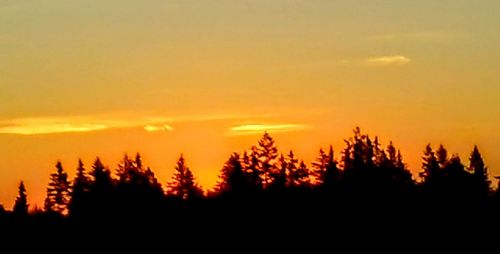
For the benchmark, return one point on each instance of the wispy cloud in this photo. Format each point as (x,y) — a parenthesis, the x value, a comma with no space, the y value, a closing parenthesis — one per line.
(251,129)
(388,60)
(50,125)
(158,128)
(75,124)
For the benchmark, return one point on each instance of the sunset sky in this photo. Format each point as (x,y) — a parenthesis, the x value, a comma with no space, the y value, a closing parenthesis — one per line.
(81,78)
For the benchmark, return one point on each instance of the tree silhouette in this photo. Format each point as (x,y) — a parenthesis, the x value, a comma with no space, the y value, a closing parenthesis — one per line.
(360,174)
(480,172)
(101,181)
(58,192)
(298,173)
(232,180)
(267,154)
(442,156)
(21,204)
(457,181)
(81,187)
(101,188)
(259,183)
(325,169)
(280,176)
(431,173)
(250,163)
(183,185)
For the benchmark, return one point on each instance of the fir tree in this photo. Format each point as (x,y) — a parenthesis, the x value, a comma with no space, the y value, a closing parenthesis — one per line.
(480,172)
(21,204)
(267,155)
(183,184)
(58,192)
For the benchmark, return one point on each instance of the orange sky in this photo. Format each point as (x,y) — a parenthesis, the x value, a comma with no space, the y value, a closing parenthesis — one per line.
(205,78)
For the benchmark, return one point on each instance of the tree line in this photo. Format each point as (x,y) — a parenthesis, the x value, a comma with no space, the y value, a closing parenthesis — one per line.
(262,176)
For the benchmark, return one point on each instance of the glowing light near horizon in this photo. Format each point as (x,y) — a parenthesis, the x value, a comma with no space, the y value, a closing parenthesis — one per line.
(158,128)
(54,125)
(250,129)
(51,128)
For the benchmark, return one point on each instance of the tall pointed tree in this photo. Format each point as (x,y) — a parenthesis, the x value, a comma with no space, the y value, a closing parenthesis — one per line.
(126,171)
(392,154)
(251,169)
(101,181)
(379,153)
(79,193)
(268,155)
(298,173)
(430,166)
(480,172)
(58,192)
(21,204)
(281,176)
(183,184)
(457,181)
(331,176)
(319,166)
(232,180)
(300,177)
(442,156)
(325,168)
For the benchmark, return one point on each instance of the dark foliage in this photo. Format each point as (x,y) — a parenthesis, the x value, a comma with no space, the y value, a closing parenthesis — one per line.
(260,188)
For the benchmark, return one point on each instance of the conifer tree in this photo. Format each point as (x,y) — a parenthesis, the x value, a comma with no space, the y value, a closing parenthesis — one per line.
(480,172)
(21,204)
(58,192)
(183,184)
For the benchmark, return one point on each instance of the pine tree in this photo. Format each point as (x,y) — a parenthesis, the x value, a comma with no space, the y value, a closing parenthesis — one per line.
(58,192)
(267,155)
(399,161)
(251,169)
(456,180)
(79,193)
(480,172)
(183,184)
(21,205)
(381,159)
(127,170)
(280,178)
(298,173)
(301,176)
(442,156)
(319,166)
(430,165)
(392,154)
(101,190)
(101,182)
(232,180)
(331,177)
(81,180)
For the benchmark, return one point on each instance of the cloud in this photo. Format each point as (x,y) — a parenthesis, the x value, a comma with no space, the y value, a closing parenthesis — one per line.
(388,60)
(75,124)
(51,125)
(158,128)
(251,129)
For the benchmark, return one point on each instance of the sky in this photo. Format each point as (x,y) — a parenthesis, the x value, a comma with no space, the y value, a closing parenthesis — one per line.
(86,78)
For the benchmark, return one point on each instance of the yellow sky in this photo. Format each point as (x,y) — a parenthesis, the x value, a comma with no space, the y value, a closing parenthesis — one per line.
(205,78)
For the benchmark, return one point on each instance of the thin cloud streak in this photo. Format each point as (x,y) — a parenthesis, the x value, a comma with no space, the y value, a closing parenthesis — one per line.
(79,124)
(388,60)
(158,128)
(52,125)
(252,129)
